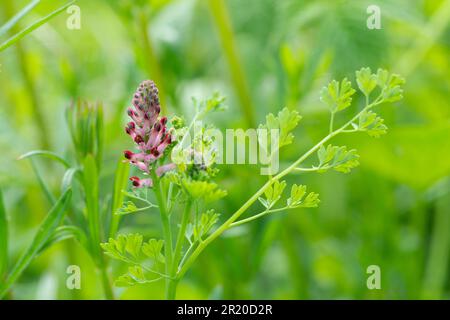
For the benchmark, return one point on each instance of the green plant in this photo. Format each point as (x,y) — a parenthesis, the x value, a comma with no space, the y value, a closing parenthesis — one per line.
(13,21)
(177,182)
(87,223)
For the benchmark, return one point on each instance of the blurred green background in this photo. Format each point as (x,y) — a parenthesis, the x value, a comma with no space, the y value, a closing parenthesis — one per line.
(393,211)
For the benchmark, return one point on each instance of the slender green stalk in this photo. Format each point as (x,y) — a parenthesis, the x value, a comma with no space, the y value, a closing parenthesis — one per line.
(178,248)
(222,21)
(3,239)
(120,182)
(259,215)
(168,250)
(227,224)
(438,260)
(106,282)
(332,121)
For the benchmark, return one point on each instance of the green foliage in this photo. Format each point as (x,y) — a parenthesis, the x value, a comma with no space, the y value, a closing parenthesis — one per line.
(131,248)
(47,154)
(286,121)
(372,124)
(272,194)
(3,238)
(142,257)
(31,27)
(153,248)
(337,158)
(212,104)
(297,198)
(390,85)
(85,122)
(366,80)
(197,230)
(203,190)
(45,231)
(337,96)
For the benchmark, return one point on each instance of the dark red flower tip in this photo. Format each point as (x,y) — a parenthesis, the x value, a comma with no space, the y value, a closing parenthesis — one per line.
(158,126)
(136,181)
(138,139)
(154,151)
(163,120)
(128,154)
(131,125)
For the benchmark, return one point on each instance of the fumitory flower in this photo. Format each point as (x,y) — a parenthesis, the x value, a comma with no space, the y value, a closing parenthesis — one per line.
(148,131)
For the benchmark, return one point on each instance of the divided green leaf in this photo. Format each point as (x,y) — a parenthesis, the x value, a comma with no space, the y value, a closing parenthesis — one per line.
(285,122)
(337,158)
(372,124)
(366,80)
(337,96)
(297,198)
(272,194)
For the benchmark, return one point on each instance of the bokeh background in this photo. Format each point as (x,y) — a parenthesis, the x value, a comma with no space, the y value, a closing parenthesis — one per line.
(393,211)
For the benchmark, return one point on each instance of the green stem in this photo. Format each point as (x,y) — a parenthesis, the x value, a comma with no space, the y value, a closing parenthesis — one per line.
(438,258)
(223,23)
(227,224)
(107,288)
(178,248)
(166,227)
(259,215)
(331,122)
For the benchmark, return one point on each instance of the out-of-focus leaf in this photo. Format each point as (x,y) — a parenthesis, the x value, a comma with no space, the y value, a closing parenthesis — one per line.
(13,21)
(90,183)
(33,27)
(68,178)
(47,154)
(421,150)
(3,238)
(120,183)
(63,233)
(51,222)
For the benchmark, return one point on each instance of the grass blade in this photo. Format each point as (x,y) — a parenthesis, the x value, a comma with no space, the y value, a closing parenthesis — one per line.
(33,27)
(51,199)
(45,231)
(120,183)
(63,233)
(3,238)
(12,22)
(90,184)
(44,153)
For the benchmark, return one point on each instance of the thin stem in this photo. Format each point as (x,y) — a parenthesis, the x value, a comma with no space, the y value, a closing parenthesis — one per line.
(331,122)
(259,215)
(166,225)
(187,253)
(107,288)
(311,169)
(178,248)
(222,21)
(226,225)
